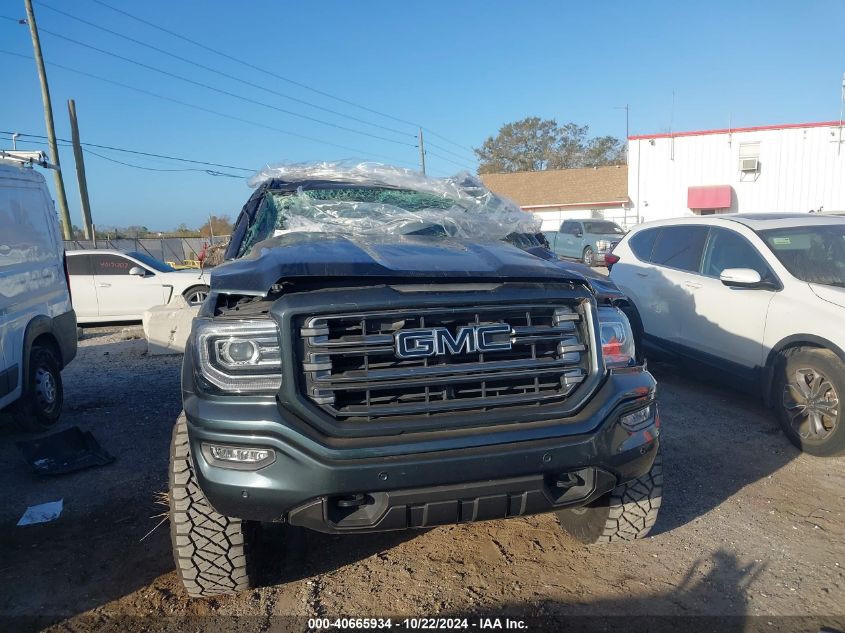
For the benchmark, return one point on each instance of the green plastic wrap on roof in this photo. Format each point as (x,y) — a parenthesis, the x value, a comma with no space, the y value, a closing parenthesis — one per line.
(379,199)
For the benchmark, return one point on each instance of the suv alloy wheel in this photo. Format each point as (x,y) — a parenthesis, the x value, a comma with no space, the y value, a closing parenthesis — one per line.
(810,385)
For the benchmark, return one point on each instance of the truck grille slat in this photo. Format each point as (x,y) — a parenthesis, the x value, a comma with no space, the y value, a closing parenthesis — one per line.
(351,370)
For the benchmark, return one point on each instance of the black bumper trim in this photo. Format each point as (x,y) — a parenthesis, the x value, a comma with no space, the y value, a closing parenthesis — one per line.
(445,505)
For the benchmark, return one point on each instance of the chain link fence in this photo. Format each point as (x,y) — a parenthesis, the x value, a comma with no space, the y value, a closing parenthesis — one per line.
(166,249)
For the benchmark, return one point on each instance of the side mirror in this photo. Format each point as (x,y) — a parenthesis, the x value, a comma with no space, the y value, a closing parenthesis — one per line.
(741,278)
(137,271)
(579,233)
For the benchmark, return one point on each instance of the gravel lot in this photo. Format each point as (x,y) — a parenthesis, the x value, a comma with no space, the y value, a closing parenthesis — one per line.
(749,527)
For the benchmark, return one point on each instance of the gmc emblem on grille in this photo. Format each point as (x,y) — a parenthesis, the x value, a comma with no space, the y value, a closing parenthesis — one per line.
(439,341)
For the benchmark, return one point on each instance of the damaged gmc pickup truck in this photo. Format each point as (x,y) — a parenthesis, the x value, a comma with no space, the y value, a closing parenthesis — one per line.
(375,357)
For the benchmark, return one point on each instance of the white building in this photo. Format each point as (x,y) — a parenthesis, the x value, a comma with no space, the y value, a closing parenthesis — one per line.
(777,168)
(556,195)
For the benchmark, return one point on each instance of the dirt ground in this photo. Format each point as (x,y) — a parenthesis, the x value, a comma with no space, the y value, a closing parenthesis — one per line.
(749,527)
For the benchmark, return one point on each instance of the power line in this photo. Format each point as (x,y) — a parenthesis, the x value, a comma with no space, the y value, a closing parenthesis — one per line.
(210,172)
(62,143)
(275,75)
(448,151)
(221,91)
(67,143)
(441,157)
(220,72)
(440,136)
(204,109)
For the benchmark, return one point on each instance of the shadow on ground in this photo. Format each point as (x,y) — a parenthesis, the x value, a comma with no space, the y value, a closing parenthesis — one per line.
(715,441)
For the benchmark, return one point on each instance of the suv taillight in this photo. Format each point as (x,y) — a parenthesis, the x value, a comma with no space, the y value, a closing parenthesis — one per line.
(610,259)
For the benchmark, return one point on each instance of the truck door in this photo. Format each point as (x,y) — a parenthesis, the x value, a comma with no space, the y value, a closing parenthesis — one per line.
(120,294)
(568,239)
(83,294)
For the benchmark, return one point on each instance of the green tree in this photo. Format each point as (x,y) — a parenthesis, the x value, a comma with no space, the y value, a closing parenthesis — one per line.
(220,225)
(535,144)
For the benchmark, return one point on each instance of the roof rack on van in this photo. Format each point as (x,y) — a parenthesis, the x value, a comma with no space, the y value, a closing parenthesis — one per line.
(27,159)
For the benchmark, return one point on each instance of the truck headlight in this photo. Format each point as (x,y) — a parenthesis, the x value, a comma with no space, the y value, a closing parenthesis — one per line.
(617,338)
(239,356)
(603,245)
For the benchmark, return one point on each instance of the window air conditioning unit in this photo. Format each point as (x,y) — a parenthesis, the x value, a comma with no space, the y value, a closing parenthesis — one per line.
(749,164)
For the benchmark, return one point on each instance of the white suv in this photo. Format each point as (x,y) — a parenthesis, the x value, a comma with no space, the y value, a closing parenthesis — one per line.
(761,298)
(109,285)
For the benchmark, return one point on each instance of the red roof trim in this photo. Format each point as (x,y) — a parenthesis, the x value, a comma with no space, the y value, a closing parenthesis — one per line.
(783,126)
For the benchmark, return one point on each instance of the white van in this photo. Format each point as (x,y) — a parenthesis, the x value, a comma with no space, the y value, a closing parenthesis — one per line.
(37,322)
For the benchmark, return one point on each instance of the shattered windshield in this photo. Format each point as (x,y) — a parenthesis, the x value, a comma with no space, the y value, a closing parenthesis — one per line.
(372,199)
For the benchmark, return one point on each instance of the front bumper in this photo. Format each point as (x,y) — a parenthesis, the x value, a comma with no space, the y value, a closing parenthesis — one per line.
(422,479)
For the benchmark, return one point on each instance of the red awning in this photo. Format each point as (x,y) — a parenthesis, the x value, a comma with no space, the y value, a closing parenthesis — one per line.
(712,197)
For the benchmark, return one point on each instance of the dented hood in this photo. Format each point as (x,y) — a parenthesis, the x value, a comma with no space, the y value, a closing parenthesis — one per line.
(316,255)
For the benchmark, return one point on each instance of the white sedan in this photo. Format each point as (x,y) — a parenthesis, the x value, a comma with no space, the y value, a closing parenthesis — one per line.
(760,298)
(111,285)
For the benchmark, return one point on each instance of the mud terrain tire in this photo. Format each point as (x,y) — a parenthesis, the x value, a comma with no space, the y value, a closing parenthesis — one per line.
(626,513)
(212,551)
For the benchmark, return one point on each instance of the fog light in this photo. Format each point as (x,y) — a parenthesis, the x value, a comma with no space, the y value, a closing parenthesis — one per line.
(637,420)
(242,457)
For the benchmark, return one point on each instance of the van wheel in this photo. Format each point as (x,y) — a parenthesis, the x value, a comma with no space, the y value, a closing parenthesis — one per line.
(809,387)
(195,295)
(626,513)
(213,553)
(41,403)
(588,256)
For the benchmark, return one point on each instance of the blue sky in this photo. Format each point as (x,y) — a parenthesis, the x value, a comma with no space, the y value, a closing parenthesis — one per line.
(461,69)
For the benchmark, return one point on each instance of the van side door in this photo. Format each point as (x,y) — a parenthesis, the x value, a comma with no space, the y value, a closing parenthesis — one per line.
(31,278)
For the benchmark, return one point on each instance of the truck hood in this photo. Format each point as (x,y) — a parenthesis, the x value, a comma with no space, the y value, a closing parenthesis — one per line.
(831,294)
(317,255)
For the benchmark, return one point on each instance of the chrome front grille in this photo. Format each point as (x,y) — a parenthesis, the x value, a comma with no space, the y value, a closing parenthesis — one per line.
(351,370)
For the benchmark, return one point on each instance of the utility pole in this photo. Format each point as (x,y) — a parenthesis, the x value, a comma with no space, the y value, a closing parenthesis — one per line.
(841,111)
(210,230)
(61,198)
(422,153)
(80,169)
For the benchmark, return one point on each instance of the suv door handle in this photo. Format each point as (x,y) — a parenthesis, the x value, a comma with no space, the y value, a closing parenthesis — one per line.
(103,284)
(641,274)
(692,284)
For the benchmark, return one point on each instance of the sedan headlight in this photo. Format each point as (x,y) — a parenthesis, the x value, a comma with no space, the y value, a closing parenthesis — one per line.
(603,245)
(239,356)
(617,338)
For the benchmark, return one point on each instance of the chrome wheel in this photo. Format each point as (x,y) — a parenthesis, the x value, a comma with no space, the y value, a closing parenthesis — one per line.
(811,404)
(588,256)
(196,297)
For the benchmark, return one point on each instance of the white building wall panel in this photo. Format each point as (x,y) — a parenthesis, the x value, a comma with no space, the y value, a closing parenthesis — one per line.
(801,169)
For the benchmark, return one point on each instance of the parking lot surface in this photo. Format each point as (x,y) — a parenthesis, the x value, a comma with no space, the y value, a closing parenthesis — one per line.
(748,527)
